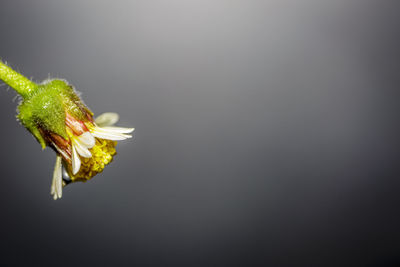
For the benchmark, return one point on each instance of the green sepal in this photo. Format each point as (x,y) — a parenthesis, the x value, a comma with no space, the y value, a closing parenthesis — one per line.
(44,110)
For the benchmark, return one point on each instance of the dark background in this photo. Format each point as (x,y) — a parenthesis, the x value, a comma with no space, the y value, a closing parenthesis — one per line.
(267,133)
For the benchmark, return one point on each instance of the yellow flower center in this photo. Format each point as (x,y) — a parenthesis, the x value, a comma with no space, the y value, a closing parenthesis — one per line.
(102,154)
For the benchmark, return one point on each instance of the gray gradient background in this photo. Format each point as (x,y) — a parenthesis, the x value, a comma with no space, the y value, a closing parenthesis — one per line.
(267,132)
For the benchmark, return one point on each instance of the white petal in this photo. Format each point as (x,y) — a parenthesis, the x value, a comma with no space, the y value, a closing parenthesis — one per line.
(76,161)
(107,119)
(87,139)
(56,184)
(53,187)
(112,137)
(118,129)
(109,135)
(81,149)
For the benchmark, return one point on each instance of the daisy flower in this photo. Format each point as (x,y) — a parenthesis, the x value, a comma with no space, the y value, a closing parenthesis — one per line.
(56,116)
(90,147)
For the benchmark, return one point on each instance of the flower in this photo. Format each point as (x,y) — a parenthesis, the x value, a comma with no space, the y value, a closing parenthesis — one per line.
(91,146)
(58,118)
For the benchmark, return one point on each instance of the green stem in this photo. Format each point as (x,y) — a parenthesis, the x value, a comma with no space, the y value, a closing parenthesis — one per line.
(17,81)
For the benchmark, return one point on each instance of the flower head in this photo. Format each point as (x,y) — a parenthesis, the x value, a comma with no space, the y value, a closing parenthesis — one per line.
(58,118)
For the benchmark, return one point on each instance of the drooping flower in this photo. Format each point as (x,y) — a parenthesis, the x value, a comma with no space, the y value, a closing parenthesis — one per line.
(90,148)
(56,116)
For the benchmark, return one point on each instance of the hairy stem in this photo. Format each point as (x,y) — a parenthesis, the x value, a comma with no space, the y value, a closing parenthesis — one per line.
(17,81)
